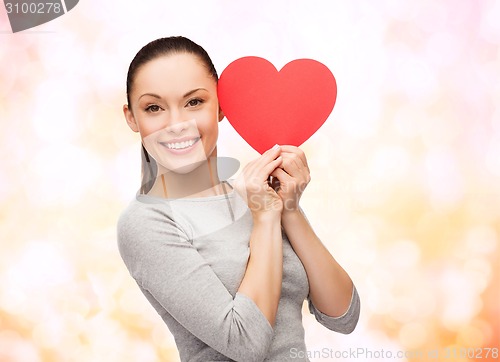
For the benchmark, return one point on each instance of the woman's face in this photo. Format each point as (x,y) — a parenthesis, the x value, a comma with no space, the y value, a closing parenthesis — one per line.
(175,109)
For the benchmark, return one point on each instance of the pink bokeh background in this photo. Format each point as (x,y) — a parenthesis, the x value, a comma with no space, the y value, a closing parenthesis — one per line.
(405,188)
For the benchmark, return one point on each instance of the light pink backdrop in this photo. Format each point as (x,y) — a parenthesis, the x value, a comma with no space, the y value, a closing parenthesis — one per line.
(405,187)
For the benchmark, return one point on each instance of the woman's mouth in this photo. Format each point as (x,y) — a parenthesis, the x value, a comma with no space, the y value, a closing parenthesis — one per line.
(180,147)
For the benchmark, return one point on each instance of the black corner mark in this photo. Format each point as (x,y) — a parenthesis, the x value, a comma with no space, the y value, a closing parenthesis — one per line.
(26,14)
(70,4)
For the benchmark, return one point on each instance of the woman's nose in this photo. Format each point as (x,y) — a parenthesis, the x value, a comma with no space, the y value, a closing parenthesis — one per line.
(177,124)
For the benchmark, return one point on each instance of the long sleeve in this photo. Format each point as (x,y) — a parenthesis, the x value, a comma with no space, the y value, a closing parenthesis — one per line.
(163,261)
(343,324)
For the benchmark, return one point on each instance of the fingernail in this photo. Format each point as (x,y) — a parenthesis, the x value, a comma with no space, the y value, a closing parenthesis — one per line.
(276,146)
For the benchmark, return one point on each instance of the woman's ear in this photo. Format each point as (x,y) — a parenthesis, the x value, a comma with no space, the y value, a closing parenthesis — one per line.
(221,114)
(129,117)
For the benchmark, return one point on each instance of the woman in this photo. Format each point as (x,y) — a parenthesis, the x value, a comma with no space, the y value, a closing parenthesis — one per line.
(227,264)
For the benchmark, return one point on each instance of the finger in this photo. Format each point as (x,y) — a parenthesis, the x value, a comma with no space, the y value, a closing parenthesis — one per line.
(269,168)
(289,165)
(292,165)
(282,176)
(297,151)
(271,154)
(267,157)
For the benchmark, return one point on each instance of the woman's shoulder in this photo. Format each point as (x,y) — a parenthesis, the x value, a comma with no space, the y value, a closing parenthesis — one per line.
(145,213)
(142,225)
(137,209)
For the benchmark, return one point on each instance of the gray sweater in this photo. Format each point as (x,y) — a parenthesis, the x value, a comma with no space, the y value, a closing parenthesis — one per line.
(188,257)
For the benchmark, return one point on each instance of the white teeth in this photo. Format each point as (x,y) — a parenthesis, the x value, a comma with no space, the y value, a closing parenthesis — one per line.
(181,145)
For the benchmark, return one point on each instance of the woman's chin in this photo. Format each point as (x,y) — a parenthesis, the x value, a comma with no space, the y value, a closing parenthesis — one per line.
(181,163)
(183,168)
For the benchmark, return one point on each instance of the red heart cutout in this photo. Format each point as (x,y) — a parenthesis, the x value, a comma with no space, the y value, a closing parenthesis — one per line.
(267,107)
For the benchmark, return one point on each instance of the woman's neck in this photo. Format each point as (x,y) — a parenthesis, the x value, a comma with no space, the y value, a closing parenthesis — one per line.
(203,181)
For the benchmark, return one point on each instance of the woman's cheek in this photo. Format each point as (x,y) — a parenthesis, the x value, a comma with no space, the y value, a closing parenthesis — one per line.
(205,123)
(150,127)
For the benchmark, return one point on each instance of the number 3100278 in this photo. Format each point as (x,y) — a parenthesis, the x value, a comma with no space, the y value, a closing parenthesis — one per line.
(32,8)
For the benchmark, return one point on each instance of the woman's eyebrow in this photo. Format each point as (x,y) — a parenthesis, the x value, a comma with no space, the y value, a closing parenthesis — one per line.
(184,96)
(193,91)
(150,94)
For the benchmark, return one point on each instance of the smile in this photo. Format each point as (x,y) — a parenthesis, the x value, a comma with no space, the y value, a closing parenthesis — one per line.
(180,145)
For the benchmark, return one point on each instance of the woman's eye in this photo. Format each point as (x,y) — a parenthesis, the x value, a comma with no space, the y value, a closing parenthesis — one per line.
(153,108)
(195,102)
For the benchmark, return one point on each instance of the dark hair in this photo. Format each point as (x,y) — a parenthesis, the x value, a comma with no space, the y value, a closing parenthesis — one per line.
(165,46)
(157,48)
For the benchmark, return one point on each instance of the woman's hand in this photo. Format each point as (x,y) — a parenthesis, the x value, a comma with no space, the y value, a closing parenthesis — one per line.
(291,177)
(252,184)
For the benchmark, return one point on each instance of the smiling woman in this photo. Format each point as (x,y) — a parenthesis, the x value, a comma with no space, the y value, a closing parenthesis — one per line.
(227,265)
(175,115)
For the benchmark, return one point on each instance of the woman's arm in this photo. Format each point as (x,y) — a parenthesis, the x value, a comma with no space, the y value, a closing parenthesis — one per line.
(263,276)
(262,280)
(331,289)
